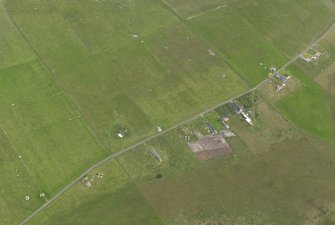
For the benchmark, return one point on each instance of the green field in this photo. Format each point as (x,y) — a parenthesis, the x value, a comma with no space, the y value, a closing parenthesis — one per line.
(322,70)
(73,72)
(240,45)
(327,79)
(314,110)
(13,187)
(110,198)
(327,47)
(13,50)
(189,9)
(140,85)
(44,128)
(285,182)
(254,191)
(288,25)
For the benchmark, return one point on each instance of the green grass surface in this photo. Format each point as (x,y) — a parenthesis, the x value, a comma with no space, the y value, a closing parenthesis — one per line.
(83,68)
(12,50)
(94,25)
(16,184)
(171,148)
(112,198)
(289,25)
(289,183)
(239,43)
(310,107)
(193,8)
(213,118)
(322,70)
(269,128)
(271,187)
(274,188)
(327,47)
(140,85)
(35,115)
(327,79)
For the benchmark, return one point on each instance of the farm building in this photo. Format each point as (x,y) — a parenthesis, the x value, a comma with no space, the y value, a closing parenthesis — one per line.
(155,154)
(246,118)
(282,78)
(211,128)
(237,108)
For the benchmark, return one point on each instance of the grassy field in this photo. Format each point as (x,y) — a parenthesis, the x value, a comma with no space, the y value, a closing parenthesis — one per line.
(44,130)
(269,89)
(273,188)
(189,9)
(12,50)
(41,149)
(73,72)
(327,47)
(16,184)
(56,144)
(327,79)
(249,44)
(312,86)
(112,197)
(288,183)
(270,128)
(148,79)
(314,110)
(288,25)
(322,70)
(171,148)
(255,185)
(240,45)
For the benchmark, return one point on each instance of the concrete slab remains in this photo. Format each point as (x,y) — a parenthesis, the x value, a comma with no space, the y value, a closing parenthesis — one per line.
(210,147)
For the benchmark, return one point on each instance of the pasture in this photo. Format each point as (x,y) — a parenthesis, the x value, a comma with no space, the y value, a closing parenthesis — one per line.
(189,9)
(73,72)
(16,184)
(327,49)
(112,197)
(238,43)
(13,50)
(288,25)
(257,190)
(250,186)
(46,138)
(158,75)
(322,70)
(269,128)
(41,148)
(309,107)
(327,79)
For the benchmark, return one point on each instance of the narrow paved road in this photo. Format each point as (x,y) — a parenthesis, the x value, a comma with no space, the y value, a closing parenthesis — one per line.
(167,130)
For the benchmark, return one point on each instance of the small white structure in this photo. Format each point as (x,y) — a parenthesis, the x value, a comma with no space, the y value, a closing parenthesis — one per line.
(211,52)
(155,154)
(314,57)
(87,182)
(246,118)
(42,195)
(159,129)
(279,87)
(27,197)
(100,175)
